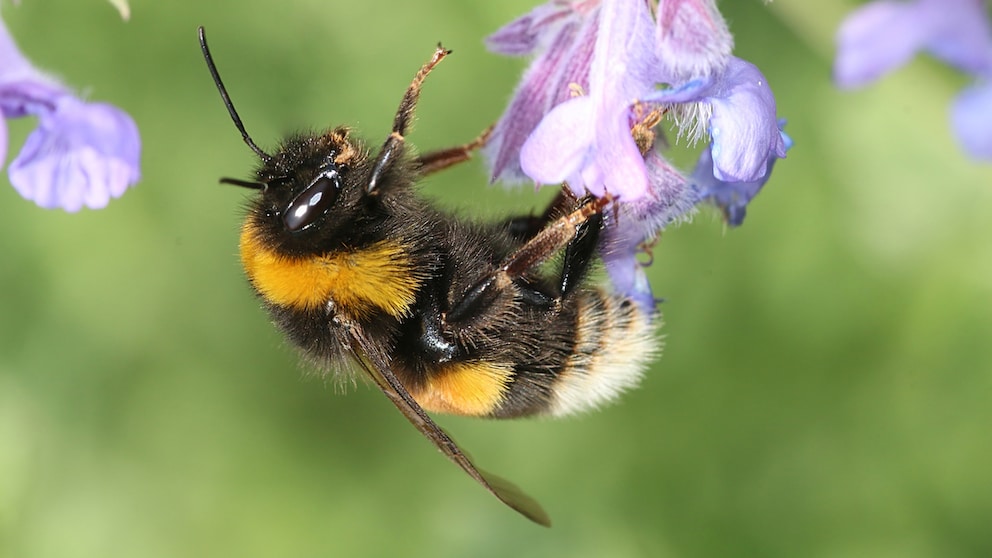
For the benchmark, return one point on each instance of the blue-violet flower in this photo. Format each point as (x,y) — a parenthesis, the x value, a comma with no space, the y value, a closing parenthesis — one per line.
(883,35)
(604,72)
(81,154)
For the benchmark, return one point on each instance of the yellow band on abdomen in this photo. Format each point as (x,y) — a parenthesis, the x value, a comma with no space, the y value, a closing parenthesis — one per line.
(466,388)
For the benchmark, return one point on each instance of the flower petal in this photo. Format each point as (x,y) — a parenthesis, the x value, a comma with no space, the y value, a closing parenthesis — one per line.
(629,278)
(14,63)
(693,39)
(961,33)
(670,199)
(744,125)
(32,95)
(23,89)
(80,154)
(732,197)
(875,39)
(561,144)
(3,141)
(620,163)
(622,68)
(881,36)
(531,32)
(971,115)
(551,79)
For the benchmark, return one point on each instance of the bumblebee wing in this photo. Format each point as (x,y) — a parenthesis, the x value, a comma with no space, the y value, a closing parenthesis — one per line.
(376,366)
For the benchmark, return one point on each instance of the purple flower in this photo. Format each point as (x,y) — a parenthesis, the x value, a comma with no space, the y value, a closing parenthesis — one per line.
(632,228)
(81,154)
(561,34)
(883,35)
(585,140)
(742,119)
(672,198)
(971,116)
(731,197)
(605,68)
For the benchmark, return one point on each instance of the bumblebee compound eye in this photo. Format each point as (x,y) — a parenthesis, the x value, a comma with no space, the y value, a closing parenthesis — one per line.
(310,204)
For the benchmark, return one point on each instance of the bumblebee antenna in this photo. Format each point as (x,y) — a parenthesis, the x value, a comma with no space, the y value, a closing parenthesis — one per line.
(245,183)
(227,98)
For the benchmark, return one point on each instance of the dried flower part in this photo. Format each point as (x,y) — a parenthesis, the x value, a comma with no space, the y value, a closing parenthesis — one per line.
(122,8)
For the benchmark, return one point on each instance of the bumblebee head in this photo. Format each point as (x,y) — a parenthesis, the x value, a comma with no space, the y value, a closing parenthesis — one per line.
(312,192)
(305,180)
(315,187)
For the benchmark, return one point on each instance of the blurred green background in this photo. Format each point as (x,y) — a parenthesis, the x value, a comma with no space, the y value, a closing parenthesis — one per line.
(827,377)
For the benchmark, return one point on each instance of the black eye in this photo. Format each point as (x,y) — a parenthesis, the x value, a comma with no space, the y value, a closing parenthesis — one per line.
(313,202)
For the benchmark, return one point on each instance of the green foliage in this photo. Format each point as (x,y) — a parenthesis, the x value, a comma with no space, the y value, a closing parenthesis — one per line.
(824,389)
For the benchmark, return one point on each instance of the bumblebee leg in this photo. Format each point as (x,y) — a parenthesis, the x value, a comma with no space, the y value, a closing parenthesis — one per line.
(560,233)
(393,147)
(550,239)
(441,159)
(579,253)
(525,227)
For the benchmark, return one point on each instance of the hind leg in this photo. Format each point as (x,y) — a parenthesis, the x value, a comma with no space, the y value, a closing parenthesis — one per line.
(576,233)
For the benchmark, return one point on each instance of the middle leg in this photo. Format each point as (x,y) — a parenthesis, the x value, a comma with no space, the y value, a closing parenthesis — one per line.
(434,161)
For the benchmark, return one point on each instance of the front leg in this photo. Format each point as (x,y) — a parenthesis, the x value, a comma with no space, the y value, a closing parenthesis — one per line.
(525,227)
(392,149)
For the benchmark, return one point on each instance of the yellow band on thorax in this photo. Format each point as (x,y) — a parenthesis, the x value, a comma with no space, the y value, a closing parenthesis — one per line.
(359,281)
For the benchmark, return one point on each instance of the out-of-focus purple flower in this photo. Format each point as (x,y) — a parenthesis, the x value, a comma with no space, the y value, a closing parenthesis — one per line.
(971,116)
(883,35)
(81,154)
(572,117)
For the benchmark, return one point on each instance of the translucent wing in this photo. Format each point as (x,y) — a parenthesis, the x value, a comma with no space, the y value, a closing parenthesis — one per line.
(376,365)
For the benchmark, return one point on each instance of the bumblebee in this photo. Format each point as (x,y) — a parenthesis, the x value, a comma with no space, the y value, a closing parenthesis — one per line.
(443,314)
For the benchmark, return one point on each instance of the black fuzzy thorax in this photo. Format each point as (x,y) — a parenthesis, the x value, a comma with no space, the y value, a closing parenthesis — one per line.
(450,253)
